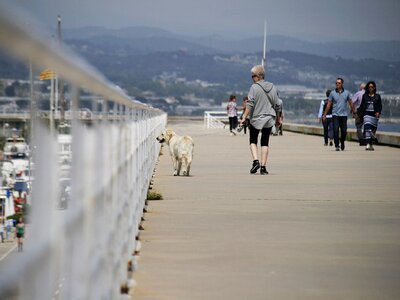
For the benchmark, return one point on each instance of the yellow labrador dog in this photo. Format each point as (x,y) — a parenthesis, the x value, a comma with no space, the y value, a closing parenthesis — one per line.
(181,150)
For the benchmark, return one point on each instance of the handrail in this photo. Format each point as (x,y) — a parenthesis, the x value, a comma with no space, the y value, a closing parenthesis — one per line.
(213,119)
(87,246)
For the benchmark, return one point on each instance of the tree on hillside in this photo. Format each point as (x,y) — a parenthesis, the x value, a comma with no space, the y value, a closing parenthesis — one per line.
(9,91)
(1,89)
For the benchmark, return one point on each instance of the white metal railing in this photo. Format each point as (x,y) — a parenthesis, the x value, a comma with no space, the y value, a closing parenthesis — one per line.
(82,250)
(215,119)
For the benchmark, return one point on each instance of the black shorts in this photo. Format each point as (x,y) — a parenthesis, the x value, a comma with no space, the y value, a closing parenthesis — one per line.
(20,235)
(265,133)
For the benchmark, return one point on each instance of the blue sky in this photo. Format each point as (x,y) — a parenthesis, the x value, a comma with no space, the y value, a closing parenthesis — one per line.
(314,20)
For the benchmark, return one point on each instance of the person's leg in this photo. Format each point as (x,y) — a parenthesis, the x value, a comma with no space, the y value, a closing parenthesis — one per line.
(254,151)
(374,129)
(368,132)
(230,124)
(253,148)
(264,155)
(359,124)
(336,131)
(253,139)
(325,125)
(235,122)
(265,134)
(343,131)
(330,130)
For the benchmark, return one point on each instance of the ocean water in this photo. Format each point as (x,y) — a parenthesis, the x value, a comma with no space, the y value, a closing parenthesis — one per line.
(387,127)
(382,126)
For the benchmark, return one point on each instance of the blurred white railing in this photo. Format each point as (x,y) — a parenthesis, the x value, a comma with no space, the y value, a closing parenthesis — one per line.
(81,251)
(215,119)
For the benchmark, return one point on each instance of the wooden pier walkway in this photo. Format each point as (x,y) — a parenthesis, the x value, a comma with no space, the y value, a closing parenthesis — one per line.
(322,225)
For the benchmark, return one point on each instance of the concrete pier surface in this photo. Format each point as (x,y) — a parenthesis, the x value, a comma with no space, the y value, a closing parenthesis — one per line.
(322,225)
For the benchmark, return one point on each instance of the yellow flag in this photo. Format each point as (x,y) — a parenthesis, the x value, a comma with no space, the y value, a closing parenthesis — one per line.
(47,74)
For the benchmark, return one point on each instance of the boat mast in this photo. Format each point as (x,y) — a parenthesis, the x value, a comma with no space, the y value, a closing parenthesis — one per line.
(265,45)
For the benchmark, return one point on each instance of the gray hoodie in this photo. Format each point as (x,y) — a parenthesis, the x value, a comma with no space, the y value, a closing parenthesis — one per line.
(263,106)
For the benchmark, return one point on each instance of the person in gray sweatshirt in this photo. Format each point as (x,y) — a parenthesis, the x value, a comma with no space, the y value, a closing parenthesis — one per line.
(262,108)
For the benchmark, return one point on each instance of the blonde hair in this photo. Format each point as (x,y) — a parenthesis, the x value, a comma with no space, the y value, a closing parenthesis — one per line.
(258,70)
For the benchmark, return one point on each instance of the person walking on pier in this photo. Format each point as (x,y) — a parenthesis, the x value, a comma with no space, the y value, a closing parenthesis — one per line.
(246,121)
(337,100)
(370,109)
(20,233)
(280,117)
(2,231)
(262,109)
(328,123)
(231,110)
(357,97)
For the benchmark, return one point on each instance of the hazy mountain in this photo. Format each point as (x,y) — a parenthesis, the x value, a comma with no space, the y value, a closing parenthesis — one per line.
(141,59)
(147,39)
(381,50)
(128,32)
(232,71)
(131,40)
(141,45)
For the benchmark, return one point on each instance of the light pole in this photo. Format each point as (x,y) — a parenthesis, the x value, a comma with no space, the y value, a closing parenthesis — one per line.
(62,96)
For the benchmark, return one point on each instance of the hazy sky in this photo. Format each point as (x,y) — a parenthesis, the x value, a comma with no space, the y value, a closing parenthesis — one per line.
(308,19)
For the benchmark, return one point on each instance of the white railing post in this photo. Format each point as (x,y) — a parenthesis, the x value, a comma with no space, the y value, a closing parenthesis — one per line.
(214,119)
(82,250)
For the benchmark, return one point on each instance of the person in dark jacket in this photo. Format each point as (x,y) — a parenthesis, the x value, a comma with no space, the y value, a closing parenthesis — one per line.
(370,110)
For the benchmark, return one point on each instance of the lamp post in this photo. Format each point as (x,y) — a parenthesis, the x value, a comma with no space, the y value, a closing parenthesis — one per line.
(62,96)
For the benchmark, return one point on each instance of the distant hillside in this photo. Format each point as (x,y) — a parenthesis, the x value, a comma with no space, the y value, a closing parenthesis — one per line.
(232,71)
(111,44)
(128,32)
(147,39)
(10,68)
(147,59)
(380,50)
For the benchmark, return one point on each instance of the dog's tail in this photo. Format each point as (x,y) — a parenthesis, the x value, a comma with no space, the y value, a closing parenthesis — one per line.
(186,156)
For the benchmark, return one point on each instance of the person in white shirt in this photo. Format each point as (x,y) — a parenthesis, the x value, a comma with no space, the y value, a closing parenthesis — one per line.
(357,98)
(328,123)
(231,110)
